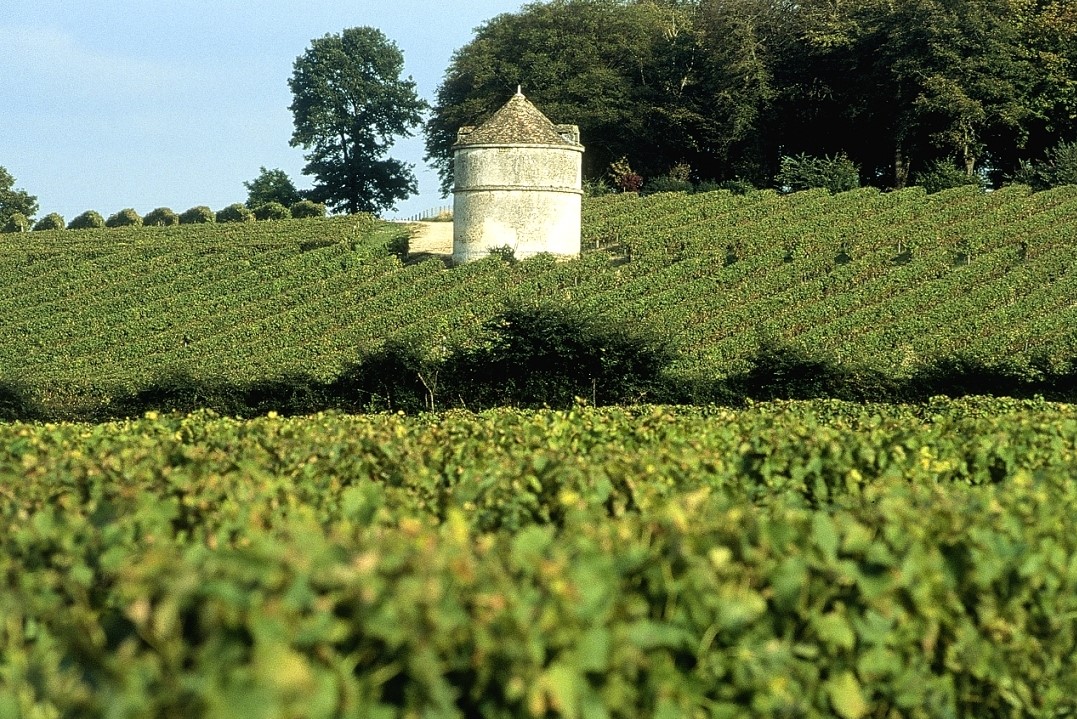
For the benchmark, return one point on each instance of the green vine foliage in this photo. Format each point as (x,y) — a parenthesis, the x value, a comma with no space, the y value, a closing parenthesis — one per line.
(788,559)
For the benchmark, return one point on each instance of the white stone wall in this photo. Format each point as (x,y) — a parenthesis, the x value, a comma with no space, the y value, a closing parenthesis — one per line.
(526,197)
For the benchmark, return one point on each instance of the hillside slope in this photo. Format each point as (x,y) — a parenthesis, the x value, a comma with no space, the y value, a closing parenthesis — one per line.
(888,282)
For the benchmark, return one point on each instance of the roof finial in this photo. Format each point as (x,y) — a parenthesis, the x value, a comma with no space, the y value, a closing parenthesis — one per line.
(519,91)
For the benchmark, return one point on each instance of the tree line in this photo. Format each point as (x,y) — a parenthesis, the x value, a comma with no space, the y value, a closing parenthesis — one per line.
(734,93)
(980,89)
(16,221)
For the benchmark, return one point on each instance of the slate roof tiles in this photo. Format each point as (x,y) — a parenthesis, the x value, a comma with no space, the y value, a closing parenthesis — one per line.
(518,122)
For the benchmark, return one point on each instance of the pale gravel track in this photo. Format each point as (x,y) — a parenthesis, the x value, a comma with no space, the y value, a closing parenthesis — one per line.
(434,238)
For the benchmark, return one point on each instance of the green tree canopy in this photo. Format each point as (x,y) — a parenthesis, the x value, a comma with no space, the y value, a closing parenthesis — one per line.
(732,86)
(349,103)
(615,68)
(14,201)
(271,186)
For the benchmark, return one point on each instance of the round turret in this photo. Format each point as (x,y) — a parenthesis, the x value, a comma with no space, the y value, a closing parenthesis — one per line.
(518,183)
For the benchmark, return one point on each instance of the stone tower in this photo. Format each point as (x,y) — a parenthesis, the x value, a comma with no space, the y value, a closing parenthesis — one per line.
(518,182)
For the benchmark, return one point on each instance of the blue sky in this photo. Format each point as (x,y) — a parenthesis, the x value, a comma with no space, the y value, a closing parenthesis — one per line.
(174,104)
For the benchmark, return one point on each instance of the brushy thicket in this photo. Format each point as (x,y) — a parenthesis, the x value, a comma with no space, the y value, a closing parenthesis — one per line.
(807,172)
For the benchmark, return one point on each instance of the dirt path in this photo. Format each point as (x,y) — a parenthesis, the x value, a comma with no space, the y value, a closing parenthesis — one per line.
(430,238)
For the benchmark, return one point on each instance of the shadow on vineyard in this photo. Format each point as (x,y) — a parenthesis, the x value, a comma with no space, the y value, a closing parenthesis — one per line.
(14,403)
(545,356)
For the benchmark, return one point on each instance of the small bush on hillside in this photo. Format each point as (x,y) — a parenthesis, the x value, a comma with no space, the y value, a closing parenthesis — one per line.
(1059,167)
(596,188)
(679,179)
(307,208)
(272,211)
(550,355)
(88,220)
(16,222)
(505,253)
(807,172)
(236,212)
(160,217)
(624,178)
(124,218)
(944,174)
(665,183)
(738,186)
(51,221)
(198,215)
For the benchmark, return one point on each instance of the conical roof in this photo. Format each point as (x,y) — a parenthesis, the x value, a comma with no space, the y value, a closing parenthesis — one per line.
(518,122)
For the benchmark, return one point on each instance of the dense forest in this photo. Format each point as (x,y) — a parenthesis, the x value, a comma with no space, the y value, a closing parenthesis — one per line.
(723,90)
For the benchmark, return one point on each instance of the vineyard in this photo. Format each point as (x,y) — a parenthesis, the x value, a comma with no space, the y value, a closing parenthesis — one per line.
(886,282)
(672,535)
(790,559)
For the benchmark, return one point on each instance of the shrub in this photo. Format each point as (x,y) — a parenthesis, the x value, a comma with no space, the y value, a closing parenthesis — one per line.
(51,221)
(942,175)
(271,211)
(16,222)
(665,183)
(161,217)
(307,208)
(596,188)
(236,212)
(505,253)
(198,215)
(624,178)
(550,355)
(738,186)
(682,171)
(88,220)
(124,218)
(806,172)
(1059,167)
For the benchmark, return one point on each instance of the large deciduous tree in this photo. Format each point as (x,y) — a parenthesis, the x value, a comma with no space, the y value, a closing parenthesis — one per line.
(349,104)
(14,201)
(620,69)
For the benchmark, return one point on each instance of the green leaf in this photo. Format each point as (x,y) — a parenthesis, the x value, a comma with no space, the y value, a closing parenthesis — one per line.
(646,634)
(530,545)
(824,534)
(834,629)
(846,697)
(789,580)
(563,688)
(594,650)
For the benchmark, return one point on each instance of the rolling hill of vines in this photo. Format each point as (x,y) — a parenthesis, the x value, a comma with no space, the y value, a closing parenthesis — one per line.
(883,281)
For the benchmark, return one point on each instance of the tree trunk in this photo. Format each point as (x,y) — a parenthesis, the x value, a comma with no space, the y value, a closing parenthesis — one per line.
(901,169)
